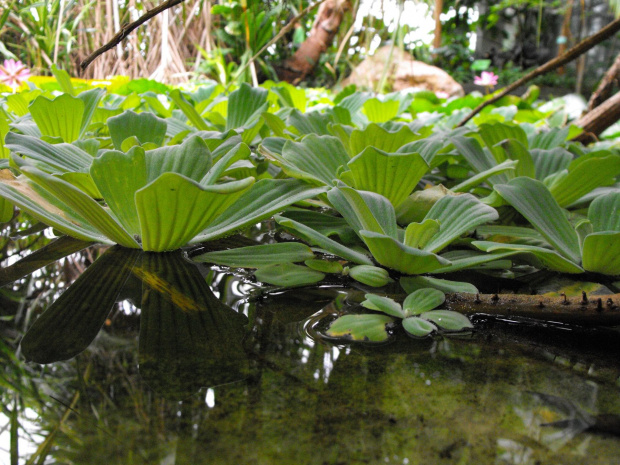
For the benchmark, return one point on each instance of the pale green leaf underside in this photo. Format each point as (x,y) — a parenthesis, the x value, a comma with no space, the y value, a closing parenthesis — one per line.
(604,212)
(173,209)
(448,320)
(418,327)
(383,304)
(413,283)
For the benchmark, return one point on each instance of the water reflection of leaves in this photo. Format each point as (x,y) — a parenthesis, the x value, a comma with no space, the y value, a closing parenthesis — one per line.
(188,338)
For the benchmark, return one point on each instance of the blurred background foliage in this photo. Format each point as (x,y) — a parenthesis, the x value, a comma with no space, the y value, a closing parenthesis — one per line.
(211,39)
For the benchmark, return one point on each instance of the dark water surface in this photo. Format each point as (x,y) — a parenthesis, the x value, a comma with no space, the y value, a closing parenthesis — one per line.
(189,369)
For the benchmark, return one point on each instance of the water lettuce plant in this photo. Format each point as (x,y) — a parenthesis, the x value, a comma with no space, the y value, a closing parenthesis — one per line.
(416,316)
(157,200)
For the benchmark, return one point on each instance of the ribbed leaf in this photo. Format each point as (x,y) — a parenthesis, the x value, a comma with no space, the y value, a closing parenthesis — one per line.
(601,253)
(413,283)
(83,181)
(188,110)
(288,275)
(6,210)
(507,166)
(534,201)
(259,255)
(316,158)
(477,158)
(239,152)
(457,215)
(42,206)
(417,235)
(365,210)
(383,304)
(379,112)
(91,99)
(83,204)
(393,175)
(245,106)
(397,256)
(315,238)
(61,157)
(549,139)
(362,328)
(264,199)
(173,209)
(375,136)
(325,224)
(61,117)
(423,300)
(417,327)
(311,122)
(548,162)
(516,151)
(191,159)
(119,176)
(495,133)
(472,260)
(604,212)
(548,258)
(71,323)
(146,127)
(448,320)
(584,177)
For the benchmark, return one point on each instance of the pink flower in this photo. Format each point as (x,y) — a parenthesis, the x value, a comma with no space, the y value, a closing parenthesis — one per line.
(13,73)
(487,79)
(442,94)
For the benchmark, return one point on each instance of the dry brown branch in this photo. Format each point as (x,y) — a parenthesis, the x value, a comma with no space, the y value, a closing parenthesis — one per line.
(605,88)
(579,49)
(127,29)
(599,119)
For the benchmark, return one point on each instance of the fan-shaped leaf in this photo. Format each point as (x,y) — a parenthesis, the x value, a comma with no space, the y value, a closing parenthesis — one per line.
(604,212)
(601,253)
(61,117)
(362,328)
(448,320)
(423,300)
(383,304)
(417,327)
(146,127)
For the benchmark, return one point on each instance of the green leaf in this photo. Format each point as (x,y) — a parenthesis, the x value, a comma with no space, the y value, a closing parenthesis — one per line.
(264,199)
(547,258)
(494,134)
(365,210)
(548,162)
(423,300)
(375,136)
(44,207)
(245,106)
(191,159)
(463,260)
(188,110)
(58,157)
(604,212)
(383,304)
(393,175)
(315,238)
(413,283)
(516,151)
(417,235)
(601,253)
(61,117)
(6,210)
(504,167)
(312,122)
(239,152)
(327,225)
(448,320)
(316,158)
(288,275)
(534,201)
(362,328)
(258,256)
(173,209)
(417,205)
(82,181)
(582,178)
(378,111)
(119,176)
(325,266)
(83,204)
(91,99)
(64,80)
(477,158)
(370,275)
(457,215)
(393,254)
(417,327)
(146,127)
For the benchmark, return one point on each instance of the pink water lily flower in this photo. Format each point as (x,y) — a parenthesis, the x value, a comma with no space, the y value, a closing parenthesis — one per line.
(487,79)
(13,73)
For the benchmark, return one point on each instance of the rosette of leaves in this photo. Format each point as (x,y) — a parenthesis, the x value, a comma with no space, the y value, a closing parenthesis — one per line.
(416,314)
(157,200)
(593,244)
(414,250)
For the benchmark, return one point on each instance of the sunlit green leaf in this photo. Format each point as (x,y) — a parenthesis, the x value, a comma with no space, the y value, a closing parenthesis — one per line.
(601,253)
(145,126)
(245,106)
(315,158)
(60,117)
(417,235)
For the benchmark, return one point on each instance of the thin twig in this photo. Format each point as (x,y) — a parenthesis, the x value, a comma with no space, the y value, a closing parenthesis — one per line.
(127,29)
(568,56)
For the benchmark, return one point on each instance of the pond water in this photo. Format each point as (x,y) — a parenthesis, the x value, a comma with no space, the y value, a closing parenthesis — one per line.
(199,366)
